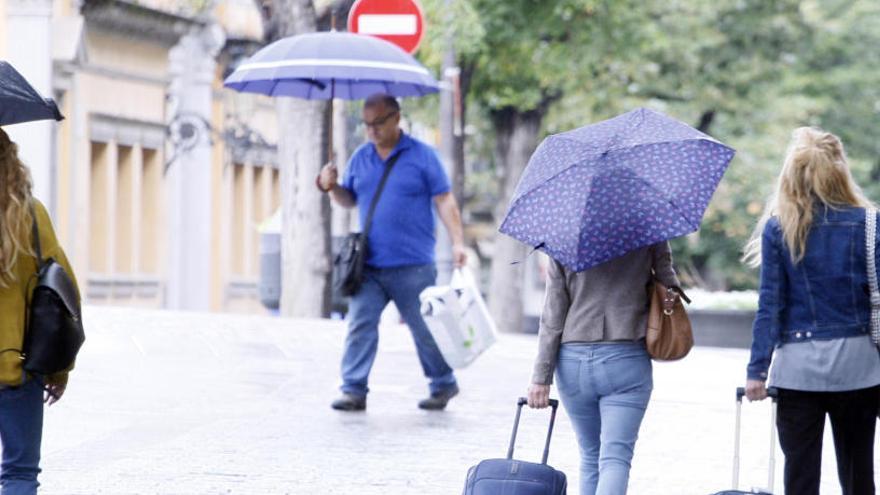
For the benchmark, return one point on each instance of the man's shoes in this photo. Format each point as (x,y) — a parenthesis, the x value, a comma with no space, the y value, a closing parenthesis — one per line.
(438,400)
(349,402)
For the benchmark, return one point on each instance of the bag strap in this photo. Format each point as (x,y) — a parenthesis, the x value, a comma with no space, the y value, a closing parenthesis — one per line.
(369,221)
(35,237)
(870,243)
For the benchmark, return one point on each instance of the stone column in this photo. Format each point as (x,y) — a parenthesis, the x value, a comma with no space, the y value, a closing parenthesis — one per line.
(192,71)
(29,50)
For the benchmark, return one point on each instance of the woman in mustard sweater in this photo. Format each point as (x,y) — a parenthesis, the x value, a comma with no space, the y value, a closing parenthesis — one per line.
(21,395)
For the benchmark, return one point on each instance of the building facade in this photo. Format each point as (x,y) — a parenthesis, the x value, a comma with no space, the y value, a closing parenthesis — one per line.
(158,178)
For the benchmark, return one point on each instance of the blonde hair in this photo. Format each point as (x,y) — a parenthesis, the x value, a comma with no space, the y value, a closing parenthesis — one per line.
(15,217)
(815,170)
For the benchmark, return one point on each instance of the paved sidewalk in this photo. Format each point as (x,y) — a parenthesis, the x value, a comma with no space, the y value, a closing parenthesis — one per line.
(187,403)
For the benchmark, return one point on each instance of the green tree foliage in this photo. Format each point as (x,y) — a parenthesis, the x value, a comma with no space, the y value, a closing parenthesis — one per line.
(808,63)
(715,65)
(840,73)
(745,71)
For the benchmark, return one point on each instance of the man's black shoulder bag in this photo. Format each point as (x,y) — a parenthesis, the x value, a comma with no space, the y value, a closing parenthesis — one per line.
(353,255)
(54,330)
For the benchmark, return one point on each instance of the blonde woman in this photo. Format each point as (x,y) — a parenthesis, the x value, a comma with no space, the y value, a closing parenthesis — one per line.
(21,395)
(813,316)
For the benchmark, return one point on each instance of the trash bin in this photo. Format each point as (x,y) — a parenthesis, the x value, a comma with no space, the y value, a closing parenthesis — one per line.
(270,261)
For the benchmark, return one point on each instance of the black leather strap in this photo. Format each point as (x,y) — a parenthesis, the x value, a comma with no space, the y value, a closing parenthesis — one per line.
(35,234)
(369,221)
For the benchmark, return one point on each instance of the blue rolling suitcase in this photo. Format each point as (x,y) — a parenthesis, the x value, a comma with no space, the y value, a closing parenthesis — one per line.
(512,477)
(740,393)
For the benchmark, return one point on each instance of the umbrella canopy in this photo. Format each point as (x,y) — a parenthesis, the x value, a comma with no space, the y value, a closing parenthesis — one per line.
(325,65)
(20,102)
(597,192)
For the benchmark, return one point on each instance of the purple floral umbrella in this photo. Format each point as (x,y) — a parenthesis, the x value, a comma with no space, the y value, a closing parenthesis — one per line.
(595,193)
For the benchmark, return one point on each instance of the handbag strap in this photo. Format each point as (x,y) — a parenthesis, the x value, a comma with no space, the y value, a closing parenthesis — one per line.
(35,237)
(369,221)
(870,244)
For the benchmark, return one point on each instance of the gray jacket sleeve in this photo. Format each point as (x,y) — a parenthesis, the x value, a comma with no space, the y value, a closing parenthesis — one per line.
(662,265)
(556,304)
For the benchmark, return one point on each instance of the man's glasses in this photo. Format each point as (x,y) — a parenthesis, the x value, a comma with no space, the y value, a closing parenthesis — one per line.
(380,121)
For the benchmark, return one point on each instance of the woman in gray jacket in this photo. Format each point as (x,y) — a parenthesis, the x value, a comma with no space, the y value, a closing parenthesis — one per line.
(592,334)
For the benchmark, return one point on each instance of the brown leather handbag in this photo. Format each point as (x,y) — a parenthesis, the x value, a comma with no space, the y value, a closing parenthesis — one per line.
(669,336)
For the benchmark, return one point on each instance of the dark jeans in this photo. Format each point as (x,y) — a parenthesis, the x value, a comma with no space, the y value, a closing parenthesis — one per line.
(403,286)
(21,431)
(801,423)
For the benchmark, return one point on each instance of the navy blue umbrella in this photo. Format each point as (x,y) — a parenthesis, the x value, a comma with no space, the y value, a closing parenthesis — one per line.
(20,102)
(325,65)
(597,192)
(332,64)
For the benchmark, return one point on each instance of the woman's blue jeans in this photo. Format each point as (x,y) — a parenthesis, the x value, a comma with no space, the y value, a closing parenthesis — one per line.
(403,286)
(605,389)
(21,431)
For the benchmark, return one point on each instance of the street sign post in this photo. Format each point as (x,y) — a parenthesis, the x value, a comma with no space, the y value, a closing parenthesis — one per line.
(398,21)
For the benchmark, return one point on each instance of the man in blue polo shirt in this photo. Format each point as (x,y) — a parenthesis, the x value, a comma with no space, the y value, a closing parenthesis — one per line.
(400,261)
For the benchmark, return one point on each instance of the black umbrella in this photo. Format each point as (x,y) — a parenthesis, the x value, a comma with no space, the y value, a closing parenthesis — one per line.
(20,102)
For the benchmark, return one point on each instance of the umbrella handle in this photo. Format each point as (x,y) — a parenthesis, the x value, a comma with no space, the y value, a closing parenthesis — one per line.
(330,124)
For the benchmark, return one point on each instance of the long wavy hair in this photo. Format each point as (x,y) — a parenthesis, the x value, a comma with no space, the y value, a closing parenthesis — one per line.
(815,171)
(15,216)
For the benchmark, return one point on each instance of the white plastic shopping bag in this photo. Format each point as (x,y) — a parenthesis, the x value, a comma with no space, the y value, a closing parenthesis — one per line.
(458,319)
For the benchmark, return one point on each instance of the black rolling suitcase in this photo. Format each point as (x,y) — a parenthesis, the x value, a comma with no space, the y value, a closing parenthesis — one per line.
(512,477)
(740,393)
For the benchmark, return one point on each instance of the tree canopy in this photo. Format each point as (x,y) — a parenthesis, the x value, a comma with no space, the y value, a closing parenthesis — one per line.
(746,72)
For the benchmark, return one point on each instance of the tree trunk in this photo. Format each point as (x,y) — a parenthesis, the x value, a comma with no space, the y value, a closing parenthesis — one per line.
(458,161)
(305,249)
(706,120)
(516,135)
(305,225)
(447,119)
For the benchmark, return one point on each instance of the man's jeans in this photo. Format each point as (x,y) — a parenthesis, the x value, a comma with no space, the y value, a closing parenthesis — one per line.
(605,389)
(21,431)
(403,286)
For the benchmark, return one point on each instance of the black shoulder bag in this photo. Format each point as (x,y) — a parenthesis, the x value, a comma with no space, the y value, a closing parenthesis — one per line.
(350,261)
(54,330)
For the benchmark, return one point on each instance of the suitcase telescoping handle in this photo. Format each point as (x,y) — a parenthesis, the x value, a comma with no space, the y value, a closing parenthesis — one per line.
(519,405)
(774,397)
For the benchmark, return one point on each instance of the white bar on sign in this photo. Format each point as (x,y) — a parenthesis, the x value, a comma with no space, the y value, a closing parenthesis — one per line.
(388,24)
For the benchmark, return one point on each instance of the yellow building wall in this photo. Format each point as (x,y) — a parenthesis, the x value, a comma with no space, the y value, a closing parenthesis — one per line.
(139,101)
(128,54)
(64,178)
(244,194)
(153,214)
(62,8)
(126,79)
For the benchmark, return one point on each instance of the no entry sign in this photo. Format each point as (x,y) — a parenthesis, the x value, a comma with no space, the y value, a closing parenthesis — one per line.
(398,21)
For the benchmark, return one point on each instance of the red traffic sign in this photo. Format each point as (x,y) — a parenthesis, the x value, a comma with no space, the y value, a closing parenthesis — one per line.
(398,21)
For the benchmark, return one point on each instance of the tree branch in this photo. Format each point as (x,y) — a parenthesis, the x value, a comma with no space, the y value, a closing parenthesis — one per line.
(325,15)
(706,121)
(657,94)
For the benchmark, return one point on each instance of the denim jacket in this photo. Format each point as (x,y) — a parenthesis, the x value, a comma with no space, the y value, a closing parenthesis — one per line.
(824,296)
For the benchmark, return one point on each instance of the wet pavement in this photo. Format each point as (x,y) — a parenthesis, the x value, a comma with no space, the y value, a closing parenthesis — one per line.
(188,403)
